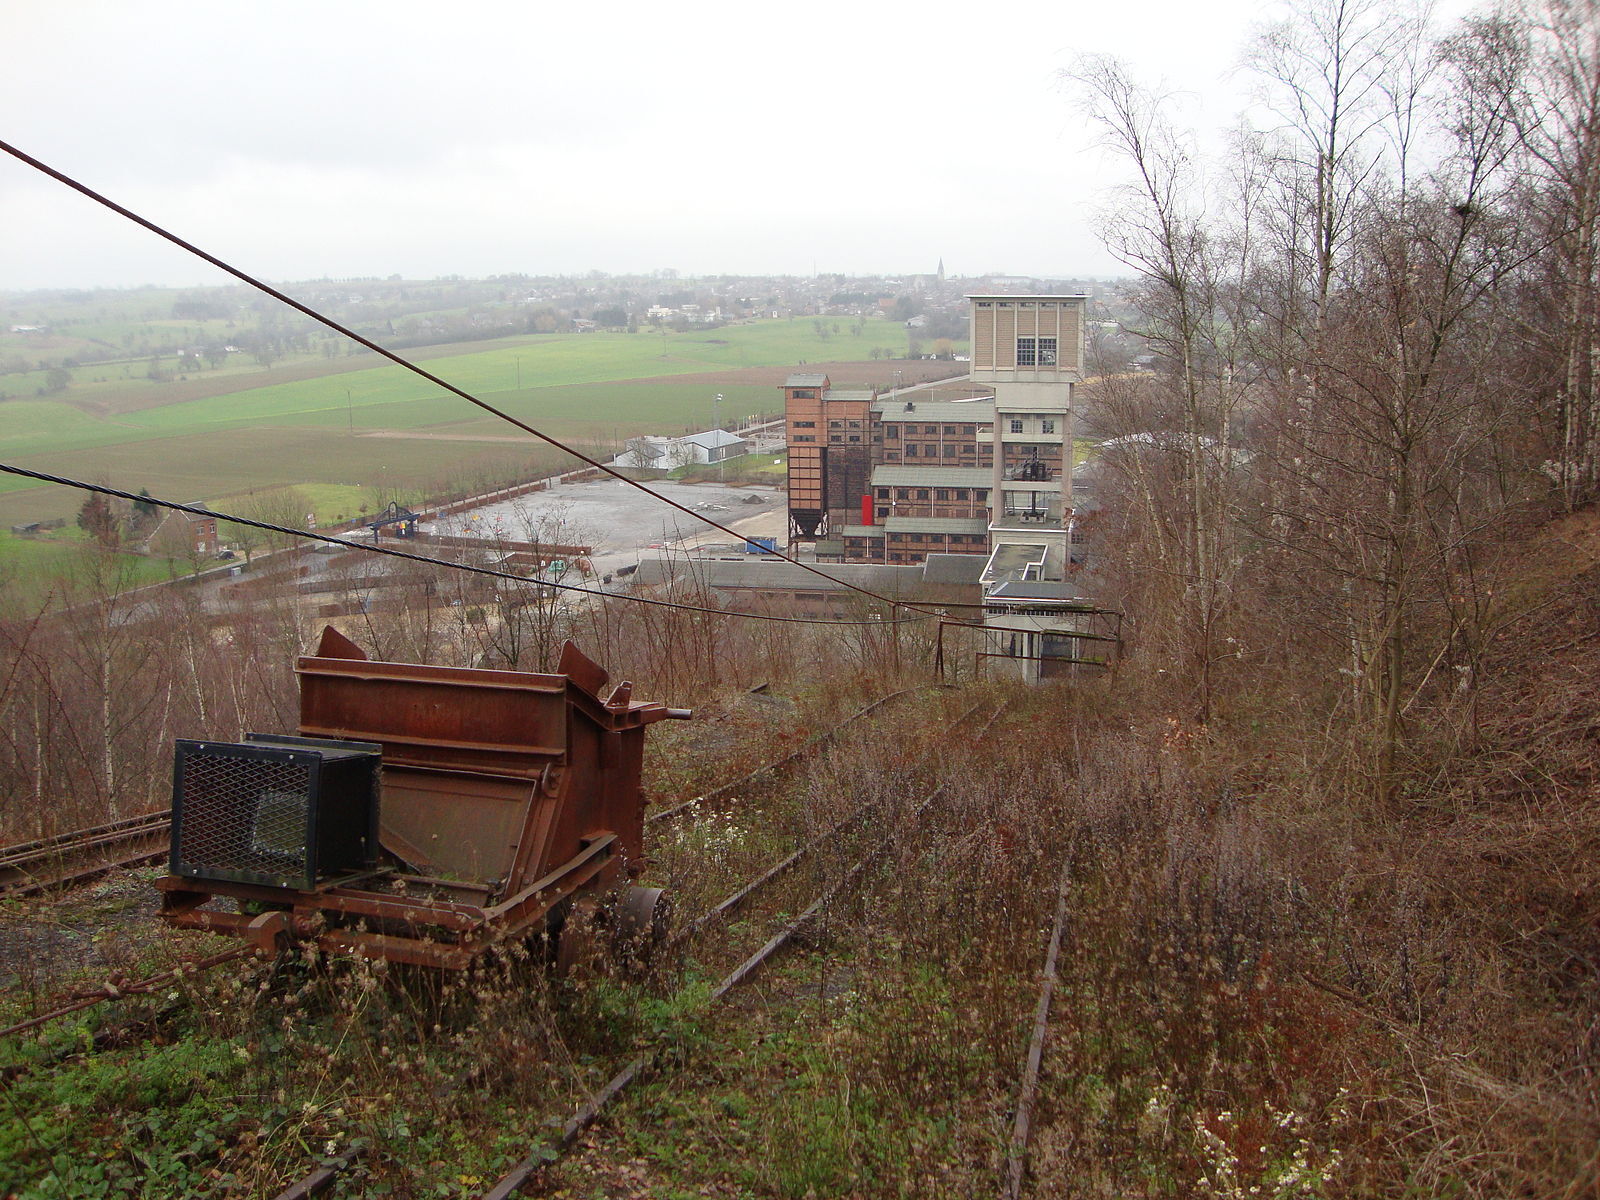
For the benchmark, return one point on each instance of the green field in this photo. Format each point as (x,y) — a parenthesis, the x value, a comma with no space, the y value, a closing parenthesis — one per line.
(30,568)
(382,429)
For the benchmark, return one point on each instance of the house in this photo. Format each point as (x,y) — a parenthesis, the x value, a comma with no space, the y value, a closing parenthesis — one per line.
(716,445)
(184,535)
(668,453)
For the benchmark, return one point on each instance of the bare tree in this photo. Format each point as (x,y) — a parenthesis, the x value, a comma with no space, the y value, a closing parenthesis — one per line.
(1183,415)
(1558,119)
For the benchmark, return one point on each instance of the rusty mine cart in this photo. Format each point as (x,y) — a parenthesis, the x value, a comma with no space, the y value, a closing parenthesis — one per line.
(506,798)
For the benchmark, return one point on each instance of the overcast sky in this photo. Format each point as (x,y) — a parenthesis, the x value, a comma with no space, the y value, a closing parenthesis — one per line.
(350,139)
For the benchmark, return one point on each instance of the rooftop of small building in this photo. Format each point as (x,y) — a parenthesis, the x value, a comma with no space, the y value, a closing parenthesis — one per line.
(1012,560)
(1058,590)
(713,438)
(774,575)
(896,476)
(980,409)
(1027,296)
(952,568)
(937,525)
(806,379)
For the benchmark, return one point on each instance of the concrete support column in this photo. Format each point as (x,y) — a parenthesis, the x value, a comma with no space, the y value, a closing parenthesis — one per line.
(1066,458)
(997,499)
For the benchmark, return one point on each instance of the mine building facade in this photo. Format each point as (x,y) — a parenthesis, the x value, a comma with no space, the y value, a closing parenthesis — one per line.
(829,436)
(890,478)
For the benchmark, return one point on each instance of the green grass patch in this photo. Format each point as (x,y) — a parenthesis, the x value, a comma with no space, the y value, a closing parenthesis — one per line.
(770,469)
(145,1123)
(32,568)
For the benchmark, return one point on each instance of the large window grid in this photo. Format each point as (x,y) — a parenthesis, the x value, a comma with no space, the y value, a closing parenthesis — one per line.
(1036,352)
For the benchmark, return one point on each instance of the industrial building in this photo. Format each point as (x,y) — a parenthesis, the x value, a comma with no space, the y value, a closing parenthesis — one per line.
(981,466)
(893,477)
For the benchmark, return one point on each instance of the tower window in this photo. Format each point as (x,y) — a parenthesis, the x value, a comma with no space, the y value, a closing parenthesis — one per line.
(1036,352)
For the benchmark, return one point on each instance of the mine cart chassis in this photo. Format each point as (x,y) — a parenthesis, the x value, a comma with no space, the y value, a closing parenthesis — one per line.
(391,915)
(507,799)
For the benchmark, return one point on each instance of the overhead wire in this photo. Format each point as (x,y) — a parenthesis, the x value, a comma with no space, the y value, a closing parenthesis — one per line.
(394,552)
(400,360)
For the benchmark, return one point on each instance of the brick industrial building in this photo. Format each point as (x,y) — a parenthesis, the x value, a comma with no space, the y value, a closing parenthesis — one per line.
(893,477)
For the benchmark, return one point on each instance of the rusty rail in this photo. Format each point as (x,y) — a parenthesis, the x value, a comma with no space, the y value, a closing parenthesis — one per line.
(1022,1125)
(514,1180)
(56,862)
(737,899)
(819,740)
(321,1178)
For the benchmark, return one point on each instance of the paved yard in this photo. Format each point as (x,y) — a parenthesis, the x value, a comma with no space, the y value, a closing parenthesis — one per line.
(622,523)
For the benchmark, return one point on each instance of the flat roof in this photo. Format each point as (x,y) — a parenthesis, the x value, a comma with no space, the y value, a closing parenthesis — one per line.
(936,525)
(1036,589)
(1027,295)
(980,409)
(765,573)
(1009,560)
(967,477)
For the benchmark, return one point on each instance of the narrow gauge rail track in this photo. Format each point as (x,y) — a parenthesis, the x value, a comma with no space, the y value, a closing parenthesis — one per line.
(1028,1089)
(47,864)
(814,744)
(518,1177)
(52,863)
(513,1182)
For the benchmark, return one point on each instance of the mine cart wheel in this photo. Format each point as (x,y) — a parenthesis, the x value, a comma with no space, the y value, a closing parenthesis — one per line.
(644,918)
(254,908)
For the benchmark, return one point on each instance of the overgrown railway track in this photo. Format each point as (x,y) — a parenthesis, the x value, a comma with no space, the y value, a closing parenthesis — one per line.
(520,1176)
(713,918)
(1033,1061)
(52,863)
(62,860)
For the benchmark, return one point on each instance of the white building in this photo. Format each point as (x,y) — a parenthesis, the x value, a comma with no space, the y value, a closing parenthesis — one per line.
(669,453)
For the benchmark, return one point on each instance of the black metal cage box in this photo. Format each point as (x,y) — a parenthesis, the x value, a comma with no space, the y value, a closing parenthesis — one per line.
(281,811)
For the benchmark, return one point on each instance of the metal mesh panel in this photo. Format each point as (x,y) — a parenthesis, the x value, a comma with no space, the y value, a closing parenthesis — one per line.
(244,815)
